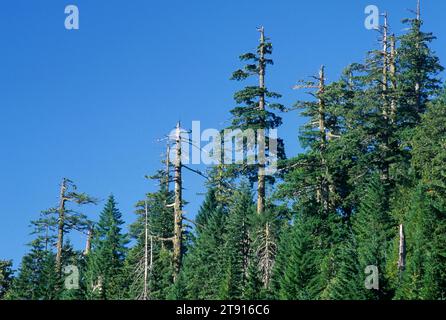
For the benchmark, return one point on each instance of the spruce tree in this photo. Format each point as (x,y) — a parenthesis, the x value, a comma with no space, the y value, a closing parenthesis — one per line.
(255,112)
(425,274)
(203,265)
(26,286)
(373,231)
(418,77)
(105,261)
(6,277)
(297,280)
(237,244)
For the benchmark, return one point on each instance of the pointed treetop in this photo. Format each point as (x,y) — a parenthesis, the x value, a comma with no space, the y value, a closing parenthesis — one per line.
(386,16)
(418,10)
(322,72)
(262,33)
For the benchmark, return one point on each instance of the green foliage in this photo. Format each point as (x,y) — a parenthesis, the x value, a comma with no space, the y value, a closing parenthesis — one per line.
(6,276)
(301,267)
(373,229)
(106,259)
(204,259)
(373,159)
(31,282)
(255,108)
(237,245)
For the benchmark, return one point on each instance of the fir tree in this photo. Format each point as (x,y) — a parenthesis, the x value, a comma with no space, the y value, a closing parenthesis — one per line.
(237,244)
(203,265)
(6,276)
(26,286)
(105,262)
(255,112)
(373,228)
(297,280)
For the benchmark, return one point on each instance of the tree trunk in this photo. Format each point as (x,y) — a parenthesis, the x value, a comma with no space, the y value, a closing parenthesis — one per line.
(392,69)
(61,225)
(261,144)
(385,79)
(146,237)
(88,244)
(324,185)
(178,207)
(167,182)
(402,250)
(385,98)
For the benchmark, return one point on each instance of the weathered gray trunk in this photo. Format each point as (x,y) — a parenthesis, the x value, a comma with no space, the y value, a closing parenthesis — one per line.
(261,144)
(178,207)
(88,244)
(402,250)
(393,83)
(61,225)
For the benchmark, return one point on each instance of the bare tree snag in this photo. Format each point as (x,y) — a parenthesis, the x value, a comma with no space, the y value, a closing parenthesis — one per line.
(88,244)
(417,45)
(402,250)
(261,158)
(323,191)
(385,95)
(385,54)
(393,83)
(178,207)
(321,102)
(418,10)
(146,237)
(167,181)
(61,224)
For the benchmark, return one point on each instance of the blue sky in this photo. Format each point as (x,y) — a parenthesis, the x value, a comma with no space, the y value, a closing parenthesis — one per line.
(91,104)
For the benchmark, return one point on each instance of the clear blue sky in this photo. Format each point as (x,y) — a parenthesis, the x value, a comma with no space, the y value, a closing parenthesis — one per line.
(91,104)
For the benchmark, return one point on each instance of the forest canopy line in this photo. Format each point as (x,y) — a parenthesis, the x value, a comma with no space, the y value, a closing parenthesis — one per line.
(359,215)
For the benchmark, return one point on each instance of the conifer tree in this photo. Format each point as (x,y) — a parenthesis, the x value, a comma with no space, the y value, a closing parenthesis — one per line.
(255,112)
(418,72)
(373,230)
(27,283)
(64,219)
(159,226)
(301,267)
(237,244)
(425,223)
(204,264)
(105,261)
(339,277)
(6,276)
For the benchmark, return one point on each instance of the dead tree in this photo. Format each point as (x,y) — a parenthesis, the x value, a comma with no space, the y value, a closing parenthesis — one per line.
(88,244)
(324,185)
(167,178)
(385,65)
(266,252)
(393,83)
(418,41)
(61,224)
(388,102)
(261,147)
(178,205)
(148,263)
(402,250)
(69,219)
